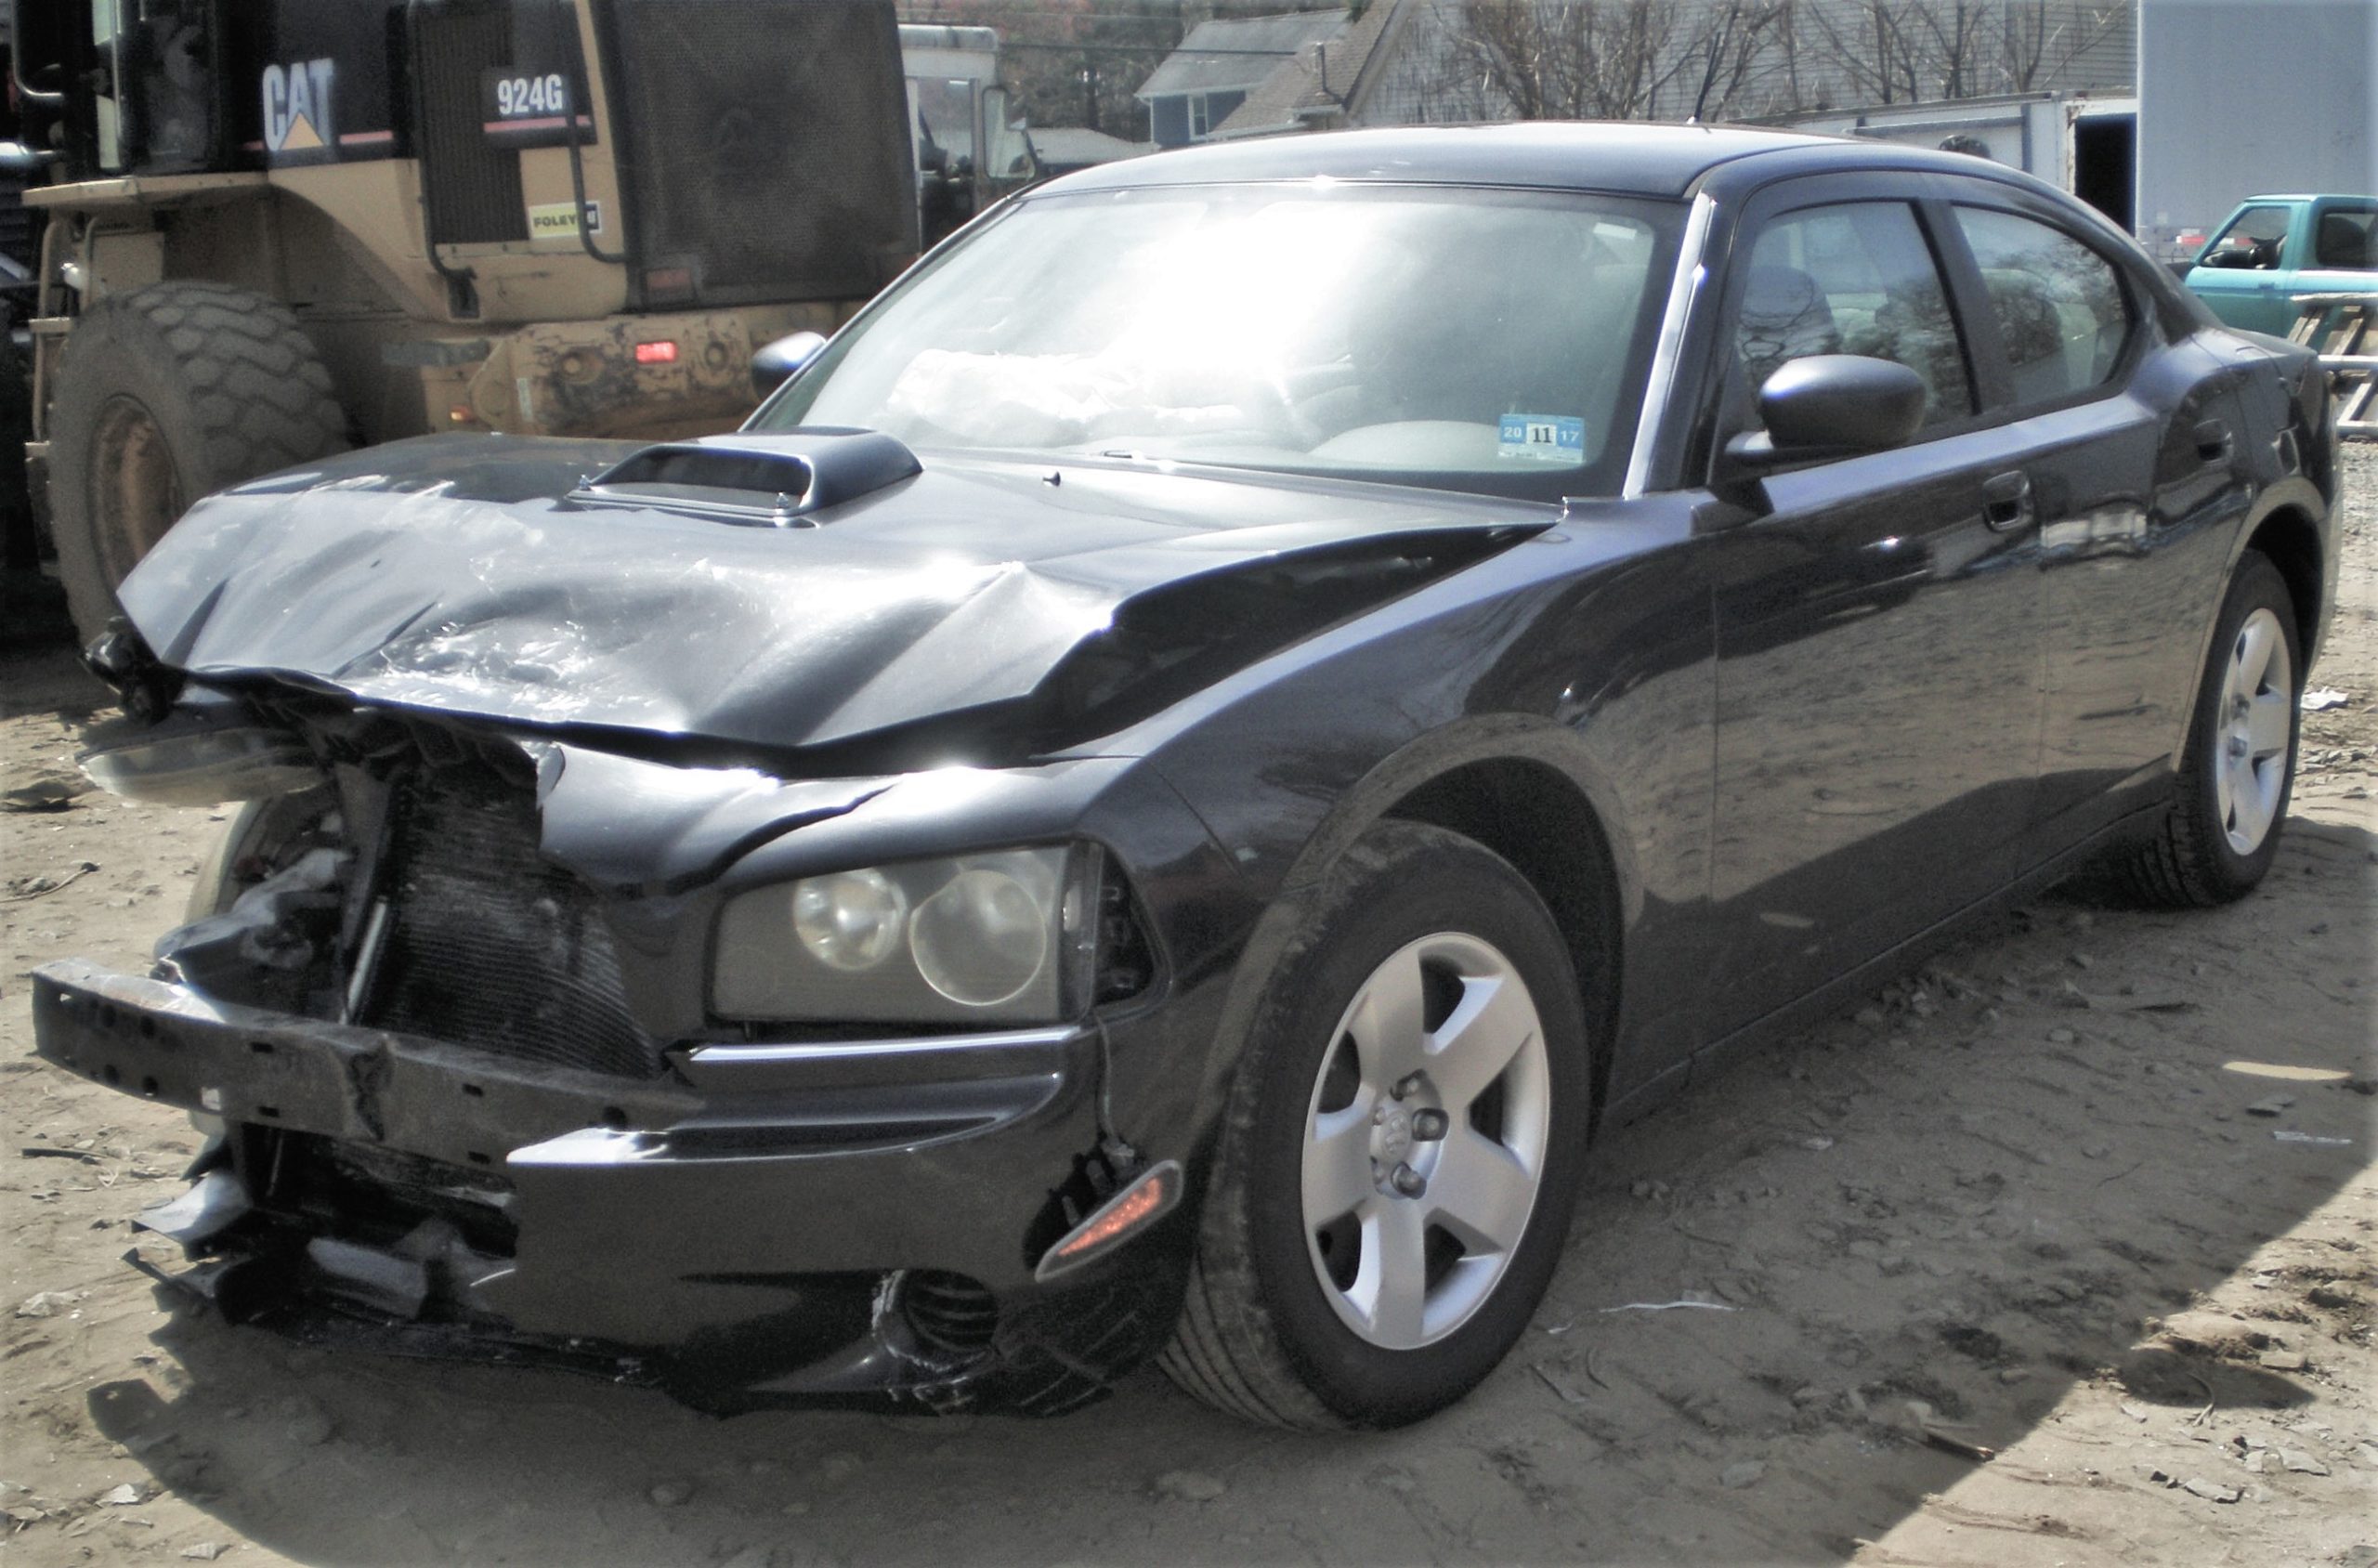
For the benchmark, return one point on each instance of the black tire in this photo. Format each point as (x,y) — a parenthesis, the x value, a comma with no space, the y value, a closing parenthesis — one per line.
(2188,861)
(1257,1337)
(164,395)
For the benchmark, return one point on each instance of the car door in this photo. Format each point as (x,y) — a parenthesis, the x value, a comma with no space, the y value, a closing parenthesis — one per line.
(2237,273)
(2340,254)
(2132,459)
(1878,676)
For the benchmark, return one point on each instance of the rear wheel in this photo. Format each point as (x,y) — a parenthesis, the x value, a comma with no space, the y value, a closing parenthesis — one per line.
(1401,1151)
(165,394)
(2219,835)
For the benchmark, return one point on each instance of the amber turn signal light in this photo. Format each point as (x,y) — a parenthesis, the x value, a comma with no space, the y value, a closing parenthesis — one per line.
(1146,1200)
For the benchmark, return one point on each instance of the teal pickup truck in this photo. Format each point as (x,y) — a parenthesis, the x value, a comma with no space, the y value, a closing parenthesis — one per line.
(2273,248)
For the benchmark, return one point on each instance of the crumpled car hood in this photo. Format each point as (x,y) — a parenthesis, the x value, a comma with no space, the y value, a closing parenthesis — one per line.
(450,574)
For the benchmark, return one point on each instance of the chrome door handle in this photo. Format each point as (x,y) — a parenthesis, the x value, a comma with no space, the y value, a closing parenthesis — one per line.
(2006,501)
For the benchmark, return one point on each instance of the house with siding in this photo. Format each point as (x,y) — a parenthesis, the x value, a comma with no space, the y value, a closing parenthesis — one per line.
(1222,63)
(1401,62)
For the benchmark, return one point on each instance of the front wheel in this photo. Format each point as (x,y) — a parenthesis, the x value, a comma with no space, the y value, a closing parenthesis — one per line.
(1401,1151)
(164,395)
(2220,834)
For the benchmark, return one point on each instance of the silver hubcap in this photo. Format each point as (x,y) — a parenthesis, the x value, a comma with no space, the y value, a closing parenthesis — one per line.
(2255,721)
(1425,1140)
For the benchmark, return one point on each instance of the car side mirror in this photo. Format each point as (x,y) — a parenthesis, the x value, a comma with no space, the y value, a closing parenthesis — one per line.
(775,363)
(1828,406)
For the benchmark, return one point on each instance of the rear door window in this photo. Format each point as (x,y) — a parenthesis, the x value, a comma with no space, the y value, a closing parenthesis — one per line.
(2058,306)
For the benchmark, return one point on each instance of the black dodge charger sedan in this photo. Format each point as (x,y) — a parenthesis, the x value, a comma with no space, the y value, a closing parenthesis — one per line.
(1154,798)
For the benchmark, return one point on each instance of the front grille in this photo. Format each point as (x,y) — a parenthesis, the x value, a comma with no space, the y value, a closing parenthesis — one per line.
(491,945)
(374,1194)
(762,148)
(470,188)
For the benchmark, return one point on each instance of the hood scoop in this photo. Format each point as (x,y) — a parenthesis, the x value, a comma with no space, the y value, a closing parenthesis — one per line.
(757,480)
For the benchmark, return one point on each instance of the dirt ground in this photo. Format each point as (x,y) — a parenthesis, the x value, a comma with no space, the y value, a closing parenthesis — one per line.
(2092,1191)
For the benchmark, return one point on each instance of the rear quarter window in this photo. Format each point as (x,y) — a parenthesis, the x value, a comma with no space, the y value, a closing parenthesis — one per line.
(2345,239)
(2058,306)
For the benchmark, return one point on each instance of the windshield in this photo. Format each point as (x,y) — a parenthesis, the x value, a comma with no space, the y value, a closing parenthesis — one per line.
(1470,339)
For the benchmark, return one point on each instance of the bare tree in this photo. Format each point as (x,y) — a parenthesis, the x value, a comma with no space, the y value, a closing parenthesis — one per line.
(1949,39)
(1713,60)
(1891,51)
(1566,59)
(2040,39)
(1865,41)
(1616,59)
(1731,48)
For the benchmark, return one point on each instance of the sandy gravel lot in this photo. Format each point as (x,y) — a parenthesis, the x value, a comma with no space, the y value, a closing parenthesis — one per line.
(2029,1201)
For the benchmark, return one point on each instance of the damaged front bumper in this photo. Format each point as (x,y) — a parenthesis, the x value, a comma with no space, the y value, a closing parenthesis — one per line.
(845,1223)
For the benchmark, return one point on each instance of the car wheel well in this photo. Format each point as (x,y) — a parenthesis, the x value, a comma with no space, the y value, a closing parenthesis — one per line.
(2289,541)
(1542,825)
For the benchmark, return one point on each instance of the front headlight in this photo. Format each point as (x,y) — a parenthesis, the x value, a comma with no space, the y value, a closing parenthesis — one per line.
(198,756)
(1004,937)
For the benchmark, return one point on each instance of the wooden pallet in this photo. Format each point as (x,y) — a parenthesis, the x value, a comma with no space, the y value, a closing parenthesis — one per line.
(2343,329)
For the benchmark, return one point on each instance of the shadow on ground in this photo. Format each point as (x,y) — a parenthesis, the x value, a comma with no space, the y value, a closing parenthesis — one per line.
(1949,1209)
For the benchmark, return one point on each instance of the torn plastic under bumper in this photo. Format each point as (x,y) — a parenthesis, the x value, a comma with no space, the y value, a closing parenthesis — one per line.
(852,1223)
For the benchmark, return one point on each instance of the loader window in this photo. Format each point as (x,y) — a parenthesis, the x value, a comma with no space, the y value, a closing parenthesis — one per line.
(156,112)
(107,32)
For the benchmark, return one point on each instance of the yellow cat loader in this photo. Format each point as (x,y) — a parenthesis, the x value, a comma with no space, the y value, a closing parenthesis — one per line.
(274,229)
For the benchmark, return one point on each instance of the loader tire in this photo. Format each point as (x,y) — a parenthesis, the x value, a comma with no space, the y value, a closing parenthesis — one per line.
(164,395)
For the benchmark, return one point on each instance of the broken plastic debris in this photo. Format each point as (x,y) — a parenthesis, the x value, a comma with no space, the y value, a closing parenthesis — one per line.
(1949,1442)
(1668,1306)
(2288,1135)
(1568,1394)
(55,792)
(21,888)
(1189,1486)
(2319,700)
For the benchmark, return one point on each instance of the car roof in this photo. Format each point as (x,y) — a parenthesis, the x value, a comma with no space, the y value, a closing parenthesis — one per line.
(1627,158)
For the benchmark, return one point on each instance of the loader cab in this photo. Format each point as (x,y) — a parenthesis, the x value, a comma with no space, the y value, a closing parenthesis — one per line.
(157,101)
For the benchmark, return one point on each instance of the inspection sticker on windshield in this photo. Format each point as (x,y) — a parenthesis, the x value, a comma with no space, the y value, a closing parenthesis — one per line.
(1541,438)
